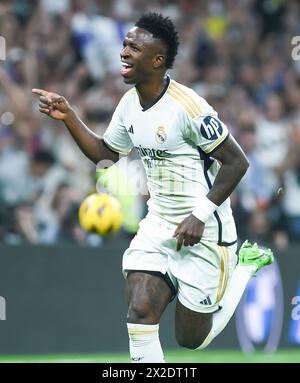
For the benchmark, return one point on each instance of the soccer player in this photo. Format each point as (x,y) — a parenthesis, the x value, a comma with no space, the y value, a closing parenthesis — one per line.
(186,245)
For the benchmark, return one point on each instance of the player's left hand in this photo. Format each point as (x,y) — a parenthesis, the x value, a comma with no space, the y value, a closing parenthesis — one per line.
(189,232)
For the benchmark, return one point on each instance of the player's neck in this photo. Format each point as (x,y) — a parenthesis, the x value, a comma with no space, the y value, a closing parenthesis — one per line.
(149,91)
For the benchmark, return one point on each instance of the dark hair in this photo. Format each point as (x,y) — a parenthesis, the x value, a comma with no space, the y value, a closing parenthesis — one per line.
(164,29)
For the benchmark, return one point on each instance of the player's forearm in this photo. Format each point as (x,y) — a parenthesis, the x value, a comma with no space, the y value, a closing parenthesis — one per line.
(234,166)
(90,143)
(227,179)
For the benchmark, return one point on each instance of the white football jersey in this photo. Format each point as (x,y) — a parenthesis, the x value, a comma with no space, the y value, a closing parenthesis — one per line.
(175,137)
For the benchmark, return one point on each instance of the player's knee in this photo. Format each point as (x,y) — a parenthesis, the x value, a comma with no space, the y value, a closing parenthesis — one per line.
(139,312)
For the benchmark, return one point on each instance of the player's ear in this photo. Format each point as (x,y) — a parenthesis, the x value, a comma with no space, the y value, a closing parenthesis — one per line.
(159,61)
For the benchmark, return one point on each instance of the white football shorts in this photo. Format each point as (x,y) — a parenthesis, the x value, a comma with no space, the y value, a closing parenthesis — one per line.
(199,273)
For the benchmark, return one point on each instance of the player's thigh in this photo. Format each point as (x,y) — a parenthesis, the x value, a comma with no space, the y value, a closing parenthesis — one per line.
(191,327)
(148,294)
(202,276)
(148,250)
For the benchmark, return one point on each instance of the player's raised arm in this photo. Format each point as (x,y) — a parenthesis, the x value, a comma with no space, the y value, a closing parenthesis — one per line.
(58,108)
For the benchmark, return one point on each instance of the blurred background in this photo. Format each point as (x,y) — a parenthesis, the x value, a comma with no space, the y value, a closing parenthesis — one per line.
(236,54)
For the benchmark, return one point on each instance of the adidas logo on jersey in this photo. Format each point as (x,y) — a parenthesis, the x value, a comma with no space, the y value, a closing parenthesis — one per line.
(206,301)
(130,130)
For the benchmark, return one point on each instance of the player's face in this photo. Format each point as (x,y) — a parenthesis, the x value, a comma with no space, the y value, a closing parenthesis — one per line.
(141,56)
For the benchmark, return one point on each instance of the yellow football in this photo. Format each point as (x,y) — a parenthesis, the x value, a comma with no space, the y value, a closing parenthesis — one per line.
(100,213)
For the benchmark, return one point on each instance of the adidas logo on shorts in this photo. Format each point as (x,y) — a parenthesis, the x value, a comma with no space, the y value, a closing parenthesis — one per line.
(206,301)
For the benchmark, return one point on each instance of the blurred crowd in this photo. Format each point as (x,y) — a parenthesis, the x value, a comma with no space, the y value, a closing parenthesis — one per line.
(236,54)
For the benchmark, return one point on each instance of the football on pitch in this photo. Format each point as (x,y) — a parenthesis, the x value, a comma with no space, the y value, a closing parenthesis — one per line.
(101,214)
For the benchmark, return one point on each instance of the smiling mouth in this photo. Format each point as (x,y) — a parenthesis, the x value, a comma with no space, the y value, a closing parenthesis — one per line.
(126,68)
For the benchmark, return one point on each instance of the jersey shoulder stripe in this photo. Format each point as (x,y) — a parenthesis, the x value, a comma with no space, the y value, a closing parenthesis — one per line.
(187,99)
(189,95)
(179,99)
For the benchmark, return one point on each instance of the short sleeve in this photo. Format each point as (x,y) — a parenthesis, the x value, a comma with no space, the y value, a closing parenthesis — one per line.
(207,132)
(116,136)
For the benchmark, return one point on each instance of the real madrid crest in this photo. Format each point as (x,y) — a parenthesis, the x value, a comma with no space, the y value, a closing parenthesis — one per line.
(160,135)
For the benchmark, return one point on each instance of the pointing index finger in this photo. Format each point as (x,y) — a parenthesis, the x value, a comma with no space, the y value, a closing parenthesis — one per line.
(40,92)
(179,242)
(176,232)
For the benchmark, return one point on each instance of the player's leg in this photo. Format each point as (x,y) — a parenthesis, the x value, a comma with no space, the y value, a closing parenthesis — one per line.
(202,272)
(251,259)
(198,321)
(148,294)
(148,291)
(191,327)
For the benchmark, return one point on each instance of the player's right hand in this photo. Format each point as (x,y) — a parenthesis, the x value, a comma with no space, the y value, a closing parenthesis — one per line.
(53,104)
(189,232)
